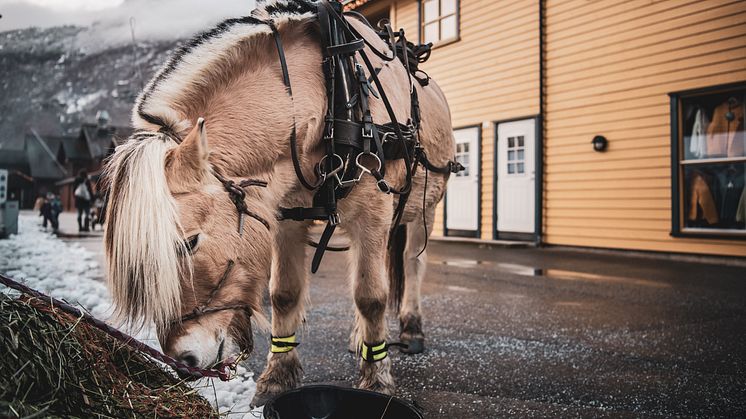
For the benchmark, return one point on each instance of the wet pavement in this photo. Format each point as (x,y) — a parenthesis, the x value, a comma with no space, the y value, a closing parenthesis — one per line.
(552,332)
(91,240)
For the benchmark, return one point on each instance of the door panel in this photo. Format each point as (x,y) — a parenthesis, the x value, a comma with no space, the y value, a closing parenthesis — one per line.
(516,176)
(462,196)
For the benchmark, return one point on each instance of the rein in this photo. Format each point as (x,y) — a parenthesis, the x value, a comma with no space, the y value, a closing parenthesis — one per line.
(224,370)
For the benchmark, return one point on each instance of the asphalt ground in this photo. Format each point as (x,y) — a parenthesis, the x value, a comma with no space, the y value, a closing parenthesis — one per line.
(550,333)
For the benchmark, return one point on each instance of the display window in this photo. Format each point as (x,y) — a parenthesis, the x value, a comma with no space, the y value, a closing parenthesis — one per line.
(709,162)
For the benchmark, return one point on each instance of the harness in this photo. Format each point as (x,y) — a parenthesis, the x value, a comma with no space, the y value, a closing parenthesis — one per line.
(355,146)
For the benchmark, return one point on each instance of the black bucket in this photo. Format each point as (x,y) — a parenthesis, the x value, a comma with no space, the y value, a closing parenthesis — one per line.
(331,402)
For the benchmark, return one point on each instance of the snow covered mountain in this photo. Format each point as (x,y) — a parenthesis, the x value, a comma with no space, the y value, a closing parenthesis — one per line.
(53,79)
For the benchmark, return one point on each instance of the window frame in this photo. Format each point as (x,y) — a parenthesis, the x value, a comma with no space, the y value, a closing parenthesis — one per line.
(677,168)
(421,22)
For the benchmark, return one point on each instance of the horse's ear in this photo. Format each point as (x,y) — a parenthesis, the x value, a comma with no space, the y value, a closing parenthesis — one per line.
(188,164)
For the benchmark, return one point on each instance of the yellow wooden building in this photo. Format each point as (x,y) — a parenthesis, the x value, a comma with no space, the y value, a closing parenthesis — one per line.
(535,86)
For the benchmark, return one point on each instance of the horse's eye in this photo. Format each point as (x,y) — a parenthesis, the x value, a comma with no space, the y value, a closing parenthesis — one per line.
(191,243)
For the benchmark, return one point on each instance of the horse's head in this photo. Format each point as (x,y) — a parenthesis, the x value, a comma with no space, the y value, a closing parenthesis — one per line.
(174,252)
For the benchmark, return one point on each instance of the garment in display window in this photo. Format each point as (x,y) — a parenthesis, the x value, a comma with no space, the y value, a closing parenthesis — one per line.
(725,133)
(698,140)
(702,204)
(741,211)
(730,185)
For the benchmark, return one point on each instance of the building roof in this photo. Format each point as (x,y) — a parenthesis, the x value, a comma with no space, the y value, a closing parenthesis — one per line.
(100,141)
(42,157)
(42,160)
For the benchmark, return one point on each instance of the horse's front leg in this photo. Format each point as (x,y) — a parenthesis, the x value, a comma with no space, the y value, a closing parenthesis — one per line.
(370,291)
(288,292)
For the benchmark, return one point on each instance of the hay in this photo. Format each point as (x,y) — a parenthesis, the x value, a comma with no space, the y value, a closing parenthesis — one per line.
(52,365)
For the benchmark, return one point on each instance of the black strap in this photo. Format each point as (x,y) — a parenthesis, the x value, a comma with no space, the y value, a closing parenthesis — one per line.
(450,167)
(348,48)
(288,87)
(302,213)
(321,248)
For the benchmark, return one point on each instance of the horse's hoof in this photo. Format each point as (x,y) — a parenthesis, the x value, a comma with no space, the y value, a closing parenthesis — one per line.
(414,346)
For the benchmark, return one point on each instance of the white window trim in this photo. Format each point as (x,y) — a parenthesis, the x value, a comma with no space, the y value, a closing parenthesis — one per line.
(440,42)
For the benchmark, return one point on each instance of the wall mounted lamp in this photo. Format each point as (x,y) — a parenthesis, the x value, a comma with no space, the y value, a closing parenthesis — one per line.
(600,143)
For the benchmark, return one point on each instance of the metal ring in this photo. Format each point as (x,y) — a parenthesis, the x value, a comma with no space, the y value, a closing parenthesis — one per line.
(385,135)
(333,172)
(362,167)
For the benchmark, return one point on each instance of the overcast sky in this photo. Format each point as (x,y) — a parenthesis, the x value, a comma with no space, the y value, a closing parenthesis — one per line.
(154,19)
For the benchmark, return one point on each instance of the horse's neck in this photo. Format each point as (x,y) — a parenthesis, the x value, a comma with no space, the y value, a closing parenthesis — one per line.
(250,118)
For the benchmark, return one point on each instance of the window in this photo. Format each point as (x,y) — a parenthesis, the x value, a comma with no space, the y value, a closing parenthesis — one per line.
(516,155)
(709,162)
(439,21)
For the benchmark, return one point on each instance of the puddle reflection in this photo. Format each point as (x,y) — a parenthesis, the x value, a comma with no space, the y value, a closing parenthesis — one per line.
(557,274)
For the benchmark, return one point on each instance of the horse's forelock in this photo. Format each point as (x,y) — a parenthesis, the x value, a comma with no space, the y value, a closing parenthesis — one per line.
(143,237)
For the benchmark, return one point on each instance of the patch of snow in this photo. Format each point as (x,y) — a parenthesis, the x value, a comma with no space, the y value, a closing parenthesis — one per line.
(69,272)
(78,104)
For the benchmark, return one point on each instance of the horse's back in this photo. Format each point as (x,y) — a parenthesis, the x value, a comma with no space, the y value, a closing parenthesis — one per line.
(436,134)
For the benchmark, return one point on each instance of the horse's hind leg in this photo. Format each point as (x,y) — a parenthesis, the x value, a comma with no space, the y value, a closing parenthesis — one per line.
(288,294)
(415,265)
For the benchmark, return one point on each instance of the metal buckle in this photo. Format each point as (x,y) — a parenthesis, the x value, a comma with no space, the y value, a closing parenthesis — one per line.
(368,133)
(330,134)
(383,186)
(334,218)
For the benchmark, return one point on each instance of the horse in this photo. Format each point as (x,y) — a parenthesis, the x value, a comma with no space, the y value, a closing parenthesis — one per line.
(213,138)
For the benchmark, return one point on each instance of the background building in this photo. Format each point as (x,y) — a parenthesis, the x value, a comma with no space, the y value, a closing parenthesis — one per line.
(660,86)
(39,163)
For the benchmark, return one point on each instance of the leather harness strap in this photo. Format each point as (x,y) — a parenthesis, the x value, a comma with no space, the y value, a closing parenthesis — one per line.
(354,144)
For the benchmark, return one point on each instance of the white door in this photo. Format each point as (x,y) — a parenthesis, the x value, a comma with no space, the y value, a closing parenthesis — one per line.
(516,176)
(462,196)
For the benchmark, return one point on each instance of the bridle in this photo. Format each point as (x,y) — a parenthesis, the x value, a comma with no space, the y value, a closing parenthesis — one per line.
(237,195)
(205,308)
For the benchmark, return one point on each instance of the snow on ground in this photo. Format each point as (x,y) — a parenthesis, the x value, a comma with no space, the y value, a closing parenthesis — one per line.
(67,271)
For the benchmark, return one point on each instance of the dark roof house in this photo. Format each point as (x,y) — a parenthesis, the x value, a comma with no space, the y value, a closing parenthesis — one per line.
(39,163)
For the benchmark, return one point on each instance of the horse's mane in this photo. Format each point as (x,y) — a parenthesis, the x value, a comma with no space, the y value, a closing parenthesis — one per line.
(143,238)
(193,64)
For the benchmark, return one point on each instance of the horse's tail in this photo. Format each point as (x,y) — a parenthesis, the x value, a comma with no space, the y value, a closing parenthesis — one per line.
(397,246)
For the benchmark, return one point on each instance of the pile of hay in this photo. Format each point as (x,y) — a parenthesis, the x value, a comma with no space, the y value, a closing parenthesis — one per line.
(52,365)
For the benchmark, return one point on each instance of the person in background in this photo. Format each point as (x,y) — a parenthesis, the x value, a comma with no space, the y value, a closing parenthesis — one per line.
(55,208)
(83,197)
(44,207)
(97,211)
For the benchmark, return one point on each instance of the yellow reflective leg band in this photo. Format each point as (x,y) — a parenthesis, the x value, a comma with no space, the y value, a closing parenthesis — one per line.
(374,353)
(280,345)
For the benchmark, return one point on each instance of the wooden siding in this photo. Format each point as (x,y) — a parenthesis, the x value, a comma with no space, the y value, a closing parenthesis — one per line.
(491,73)
(609,69)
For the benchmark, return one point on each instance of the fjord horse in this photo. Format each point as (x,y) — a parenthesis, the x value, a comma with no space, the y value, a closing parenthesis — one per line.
(216,114)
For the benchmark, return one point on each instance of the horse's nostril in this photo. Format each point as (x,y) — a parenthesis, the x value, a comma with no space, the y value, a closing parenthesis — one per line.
(188,358)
